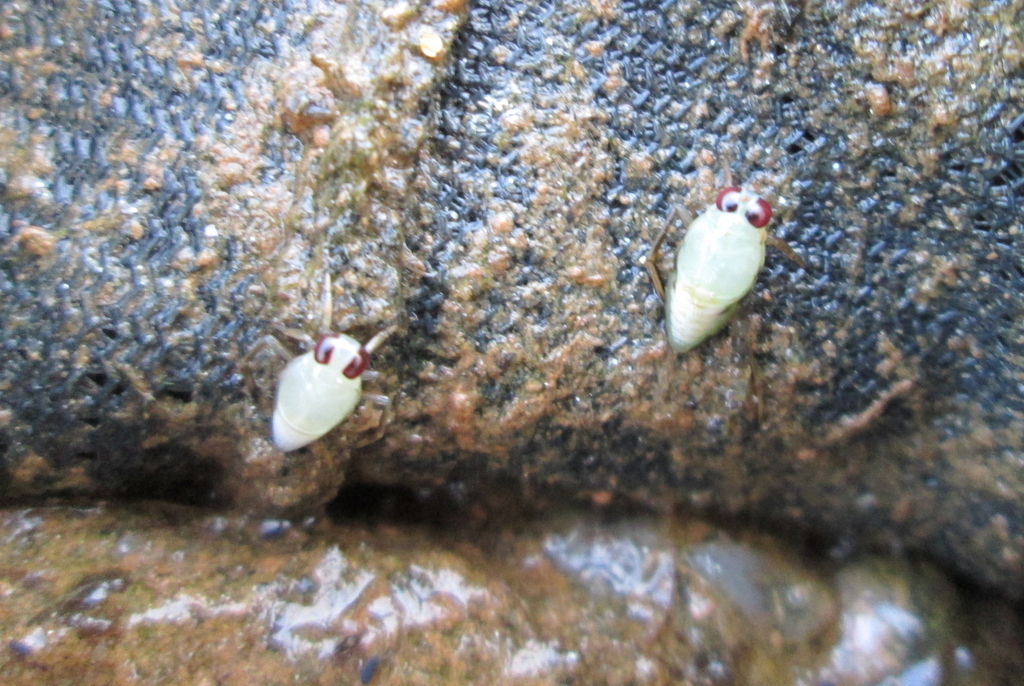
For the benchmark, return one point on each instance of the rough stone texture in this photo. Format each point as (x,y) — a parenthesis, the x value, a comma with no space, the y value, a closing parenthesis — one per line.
(496,197)
(171,595)
(201,168)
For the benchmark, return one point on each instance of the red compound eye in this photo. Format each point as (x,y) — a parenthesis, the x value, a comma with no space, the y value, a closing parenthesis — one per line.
(324,348)
(728,199)
(760,214)
(358,365)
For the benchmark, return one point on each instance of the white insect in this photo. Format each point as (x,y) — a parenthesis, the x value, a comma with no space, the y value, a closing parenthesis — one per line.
(717,264)
(320,389)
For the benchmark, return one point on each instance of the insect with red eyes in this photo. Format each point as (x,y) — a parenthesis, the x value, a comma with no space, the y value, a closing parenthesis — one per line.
(716,265)
(321,388)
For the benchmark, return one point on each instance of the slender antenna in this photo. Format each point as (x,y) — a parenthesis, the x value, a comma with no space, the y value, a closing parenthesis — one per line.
(726,162)
(379,338)
(326,305)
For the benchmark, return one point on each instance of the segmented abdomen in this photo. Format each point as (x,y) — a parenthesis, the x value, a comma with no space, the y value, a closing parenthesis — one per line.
(694,316)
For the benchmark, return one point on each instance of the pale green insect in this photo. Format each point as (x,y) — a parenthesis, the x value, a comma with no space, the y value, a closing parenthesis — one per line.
(320,389)
(716,265)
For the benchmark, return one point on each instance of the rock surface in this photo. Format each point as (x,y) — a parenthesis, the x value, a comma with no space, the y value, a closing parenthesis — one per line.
(169,595)
(183,182)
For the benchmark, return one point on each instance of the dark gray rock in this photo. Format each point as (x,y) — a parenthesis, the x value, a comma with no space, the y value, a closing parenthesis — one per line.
(174,195)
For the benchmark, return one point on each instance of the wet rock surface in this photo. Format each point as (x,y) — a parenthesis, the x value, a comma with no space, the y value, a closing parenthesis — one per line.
(163,594)
(182,182)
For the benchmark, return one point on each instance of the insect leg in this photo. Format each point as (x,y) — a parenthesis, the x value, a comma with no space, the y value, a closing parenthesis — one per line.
(784,247)
(377,399)
(652,256)
(386,415)
(261,347)
(263,361)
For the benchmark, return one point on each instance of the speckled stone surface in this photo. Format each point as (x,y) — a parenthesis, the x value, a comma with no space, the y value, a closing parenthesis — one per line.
(182,182)
(159,594)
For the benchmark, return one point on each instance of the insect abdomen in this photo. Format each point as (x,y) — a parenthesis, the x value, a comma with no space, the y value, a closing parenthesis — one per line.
(694,318)
(716,266)
(311,400)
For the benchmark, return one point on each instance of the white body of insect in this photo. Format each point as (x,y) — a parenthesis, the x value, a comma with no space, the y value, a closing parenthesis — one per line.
(717,264)
(320,389)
